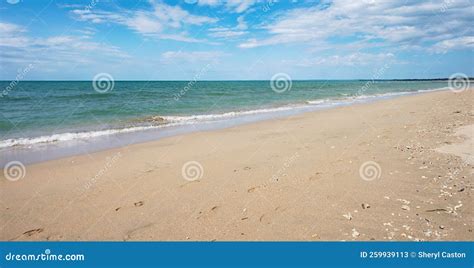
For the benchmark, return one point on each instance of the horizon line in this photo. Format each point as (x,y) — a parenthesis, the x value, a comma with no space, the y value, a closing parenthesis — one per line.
(238,80)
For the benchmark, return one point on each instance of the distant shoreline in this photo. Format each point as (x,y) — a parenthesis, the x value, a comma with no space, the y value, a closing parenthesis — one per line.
(258,80)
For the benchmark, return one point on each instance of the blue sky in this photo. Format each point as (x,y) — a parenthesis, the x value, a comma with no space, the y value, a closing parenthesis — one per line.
(235,39)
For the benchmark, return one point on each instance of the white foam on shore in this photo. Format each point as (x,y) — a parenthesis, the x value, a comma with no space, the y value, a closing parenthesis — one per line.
(171,121)
(68,136)
(206,117)
(64,137)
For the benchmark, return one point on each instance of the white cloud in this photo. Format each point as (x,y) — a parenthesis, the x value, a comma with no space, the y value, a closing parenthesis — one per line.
(162,22)
(97,16)
(144,25)
(211,3)
(409,23)
(11,35)
(227,32)
(352,59)
(241,24)
(175,16)
(460,42)
(16,47)
(192,57)
(183,38)
(240,5)
(9,28)
(237,6)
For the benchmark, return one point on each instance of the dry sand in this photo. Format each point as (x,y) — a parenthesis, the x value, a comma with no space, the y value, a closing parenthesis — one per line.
(298,178)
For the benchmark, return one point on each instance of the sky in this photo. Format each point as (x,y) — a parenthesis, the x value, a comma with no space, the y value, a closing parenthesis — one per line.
(235,39)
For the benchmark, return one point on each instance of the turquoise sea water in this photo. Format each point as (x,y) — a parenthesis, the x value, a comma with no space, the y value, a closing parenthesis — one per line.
(40,112)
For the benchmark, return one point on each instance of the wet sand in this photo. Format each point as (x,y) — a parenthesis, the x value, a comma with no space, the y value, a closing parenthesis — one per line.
(397,169)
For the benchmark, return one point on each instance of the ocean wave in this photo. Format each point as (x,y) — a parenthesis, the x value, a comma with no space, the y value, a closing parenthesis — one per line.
(68,136)
(155,122)
(434,89)
(316,102)
(205,117)
(150,122)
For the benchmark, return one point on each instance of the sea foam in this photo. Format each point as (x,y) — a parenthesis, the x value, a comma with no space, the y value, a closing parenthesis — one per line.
(174,120)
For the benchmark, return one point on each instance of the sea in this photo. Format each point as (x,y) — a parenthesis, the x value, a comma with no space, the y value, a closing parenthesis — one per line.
(43,120)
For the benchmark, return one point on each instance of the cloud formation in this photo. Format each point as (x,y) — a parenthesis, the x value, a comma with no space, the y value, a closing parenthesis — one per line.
(443,25)
(238,6)
(162,21)
(17,48)
(308,37)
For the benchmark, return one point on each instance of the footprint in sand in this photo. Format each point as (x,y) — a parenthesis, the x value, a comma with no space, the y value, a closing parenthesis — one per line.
(214,208)
(55,237)
(266,218)
(145,231)
(33,232)
(29,233)
(252,189)
(316,176)
(136,204)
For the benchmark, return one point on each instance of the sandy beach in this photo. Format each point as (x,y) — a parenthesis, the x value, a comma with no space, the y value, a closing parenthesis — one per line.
(397,169)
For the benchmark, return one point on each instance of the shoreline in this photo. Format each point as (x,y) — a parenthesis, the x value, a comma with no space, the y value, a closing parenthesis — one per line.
(45,148)
(294,178)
